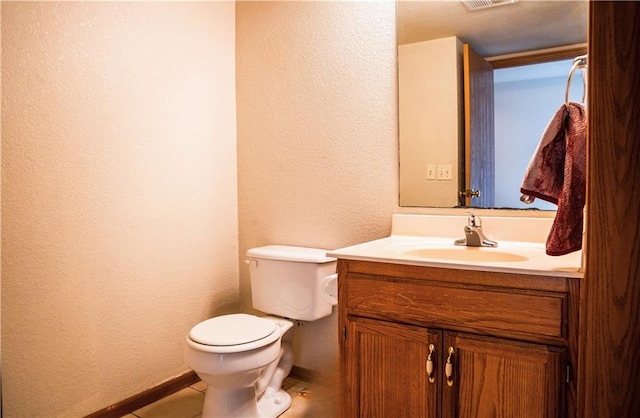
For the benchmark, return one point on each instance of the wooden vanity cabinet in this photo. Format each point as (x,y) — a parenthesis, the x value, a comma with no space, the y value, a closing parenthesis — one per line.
(512,340)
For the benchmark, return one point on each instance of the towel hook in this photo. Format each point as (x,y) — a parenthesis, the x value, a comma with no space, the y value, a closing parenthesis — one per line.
(581,63)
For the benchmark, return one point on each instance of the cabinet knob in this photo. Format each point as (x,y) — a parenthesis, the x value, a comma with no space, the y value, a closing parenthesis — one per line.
(448,368)
(430,374)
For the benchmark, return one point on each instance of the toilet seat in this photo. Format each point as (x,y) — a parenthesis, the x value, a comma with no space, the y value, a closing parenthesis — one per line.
(234,333)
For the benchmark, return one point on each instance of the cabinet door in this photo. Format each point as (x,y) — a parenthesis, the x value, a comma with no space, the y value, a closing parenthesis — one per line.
(387,370)
(502,378)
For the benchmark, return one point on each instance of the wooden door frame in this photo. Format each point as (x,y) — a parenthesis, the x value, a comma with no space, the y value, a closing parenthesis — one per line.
(479,130)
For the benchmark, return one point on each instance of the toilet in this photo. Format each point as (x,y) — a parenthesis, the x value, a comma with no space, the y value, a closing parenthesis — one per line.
(244,358)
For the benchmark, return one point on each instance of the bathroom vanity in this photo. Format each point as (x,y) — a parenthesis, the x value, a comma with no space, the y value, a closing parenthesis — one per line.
(457,332)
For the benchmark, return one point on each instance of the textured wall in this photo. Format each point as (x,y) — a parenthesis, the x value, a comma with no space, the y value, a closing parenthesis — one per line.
(119,195)
(317,134)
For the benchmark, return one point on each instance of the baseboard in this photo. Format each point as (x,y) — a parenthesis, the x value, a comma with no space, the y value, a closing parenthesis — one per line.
(306,375)
(147,397)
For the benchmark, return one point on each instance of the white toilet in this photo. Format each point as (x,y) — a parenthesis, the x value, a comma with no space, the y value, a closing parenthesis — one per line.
(244,358)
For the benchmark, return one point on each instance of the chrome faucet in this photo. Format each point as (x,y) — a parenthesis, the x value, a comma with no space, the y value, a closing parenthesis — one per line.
(474,237)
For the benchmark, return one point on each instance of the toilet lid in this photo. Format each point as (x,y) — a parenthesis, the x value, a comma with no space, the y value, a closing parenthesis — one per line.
(234,329)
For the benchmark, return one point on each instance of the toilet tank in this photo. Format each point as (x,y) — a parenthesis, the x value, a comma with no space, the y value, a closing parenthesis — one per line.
(292,282)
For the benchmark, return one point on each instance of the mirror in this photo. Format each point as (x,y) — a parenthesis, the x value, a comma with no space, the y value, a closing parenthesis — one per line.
(431,88)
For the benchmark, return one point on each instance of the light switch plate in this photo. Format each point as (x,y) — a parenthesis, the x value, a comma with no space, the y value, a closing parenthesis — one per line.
(431,171)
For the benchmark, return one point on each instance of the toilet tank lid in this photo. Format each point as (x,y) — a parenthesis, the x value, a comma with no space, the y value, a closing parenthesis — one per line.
(290,253)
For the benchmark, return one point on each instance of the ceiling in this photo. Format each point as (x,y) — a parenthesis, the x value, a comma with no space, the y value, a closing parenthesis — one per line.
(522,26)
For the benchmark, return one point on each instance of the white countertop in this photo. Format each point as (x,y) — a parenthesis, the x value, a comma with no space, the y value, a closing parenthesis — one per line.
(412,243)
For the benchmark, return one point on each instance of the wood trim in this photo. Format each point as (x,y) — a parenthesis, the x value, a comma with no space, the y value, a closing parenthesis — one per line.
(467,124)
(609,372)
(147,397)
(537,57)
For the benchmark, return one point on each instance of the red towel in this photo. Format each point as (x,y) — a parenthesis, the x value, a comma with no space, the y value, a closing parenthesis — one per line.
(557,174)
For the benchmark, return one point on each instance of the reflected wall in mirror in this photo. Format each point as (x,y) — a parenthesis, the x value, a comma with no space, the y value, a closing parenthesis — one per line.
(438,151)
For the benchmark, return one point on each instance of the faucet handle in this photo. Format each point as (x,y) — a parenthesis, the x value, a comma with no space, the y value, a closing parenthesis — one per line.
(474,220)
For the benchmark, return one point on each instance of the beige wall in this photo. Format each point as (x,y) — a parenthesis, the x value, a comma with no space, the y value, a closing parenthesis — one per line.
(119,195)
(317,135)
(120,225)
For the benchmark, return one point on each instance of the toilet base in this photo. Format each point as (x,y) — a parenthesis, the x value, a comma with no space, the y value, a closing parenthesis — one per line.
(242,403)
(274,406)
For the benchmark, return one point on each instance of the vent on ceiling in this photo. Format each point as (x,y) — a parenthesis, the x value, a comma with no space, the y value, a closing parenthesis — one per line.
(483,4)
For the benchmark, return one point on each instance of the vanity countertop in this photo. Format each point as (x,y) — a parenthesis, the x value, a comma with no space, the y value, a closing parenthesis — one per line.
(424,240)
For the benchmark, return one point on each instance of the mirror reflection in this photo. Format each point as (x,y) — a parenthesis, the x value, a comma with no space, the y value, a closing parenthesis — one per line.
(476,129)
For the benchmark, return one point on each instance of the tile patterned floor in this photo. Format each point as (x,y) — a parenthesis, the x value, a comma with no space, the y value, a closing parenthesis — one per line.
(308,400)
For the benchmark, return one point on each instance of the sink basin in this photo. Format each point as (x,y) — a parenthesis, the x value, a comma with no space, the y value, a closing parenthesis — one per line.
(465,254)
(444,250)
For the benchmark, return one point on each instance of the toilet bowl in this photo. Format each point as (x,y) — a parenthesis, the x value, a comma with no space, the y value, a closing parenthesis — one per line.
(244,358)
